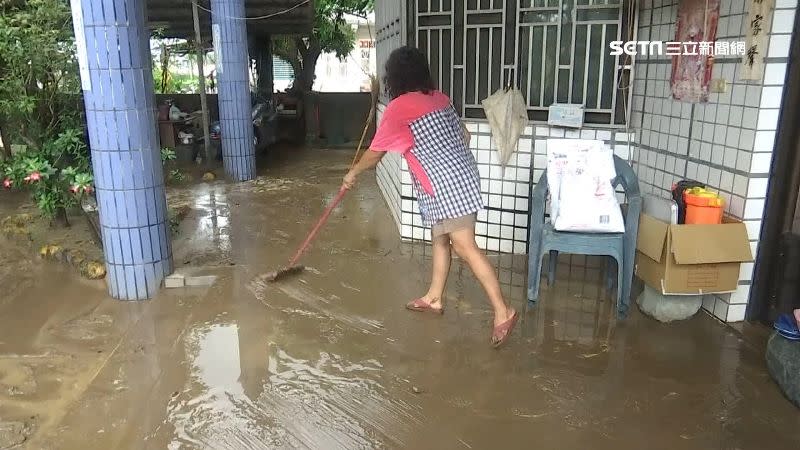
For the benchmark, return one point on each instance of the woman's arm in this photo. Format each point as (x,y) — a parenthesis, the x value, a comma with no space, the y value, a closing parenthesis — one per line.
(369,160)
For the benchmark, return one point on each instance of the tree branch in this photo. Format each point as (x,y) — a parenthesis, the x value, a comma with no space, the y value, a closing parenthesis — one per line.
(300,44)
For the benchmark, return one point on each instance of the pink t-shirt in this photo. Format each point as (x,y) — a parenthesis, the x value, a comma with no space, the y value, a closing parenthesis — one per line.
(394,132)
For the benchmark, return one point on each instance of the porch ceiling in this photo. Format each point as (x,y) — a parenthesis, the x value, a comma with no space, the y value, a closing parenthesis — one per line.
(174,17)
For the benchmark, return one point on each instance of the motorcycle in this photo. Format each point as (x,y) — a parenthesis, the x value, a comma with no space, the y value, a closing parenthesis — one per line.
(264,115)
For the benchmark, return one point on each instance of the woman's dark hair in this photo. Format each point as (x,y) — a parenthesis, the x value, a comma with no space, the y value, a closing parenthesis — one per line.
(407,71)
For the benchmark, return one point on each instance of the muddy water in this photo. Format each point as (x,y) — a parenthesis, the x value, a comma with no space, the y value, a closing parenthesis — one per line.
(330,359)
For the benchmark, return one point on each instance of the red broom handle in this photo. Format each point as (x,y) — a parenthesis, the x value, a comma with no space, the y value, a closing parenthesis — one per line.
(319,225)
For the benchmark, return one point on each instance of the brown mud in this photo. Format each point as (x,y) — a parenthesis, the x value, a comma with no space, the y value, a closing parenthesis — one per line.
(75,245)
(21,222)
(330,359)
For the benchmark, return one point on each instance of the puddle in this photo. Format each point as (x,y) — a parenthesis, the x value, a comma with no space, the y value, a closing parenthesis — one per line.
(313,304)
(325,403)
(330,359)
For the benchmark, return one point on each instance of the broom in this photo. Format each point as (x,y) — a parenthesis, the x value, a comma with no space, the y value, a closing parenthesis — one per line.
(292,268)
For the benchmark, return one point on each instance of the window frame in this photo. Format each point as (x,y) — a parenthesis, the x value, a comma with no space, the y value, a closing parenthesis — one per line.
(441,26)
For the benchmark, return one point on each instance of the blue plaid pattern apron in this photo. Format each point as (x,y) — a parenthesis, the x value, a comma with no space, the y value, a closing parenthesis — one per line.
(453,172)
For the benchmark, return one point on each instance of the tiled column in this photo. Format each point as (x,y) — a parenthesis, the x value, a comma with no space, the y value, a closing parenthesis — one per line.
(117,80)
(233,74)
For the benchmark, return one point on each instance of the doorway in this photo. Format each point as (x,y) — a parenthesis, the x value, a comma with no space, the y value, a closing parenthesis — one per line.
(776,280)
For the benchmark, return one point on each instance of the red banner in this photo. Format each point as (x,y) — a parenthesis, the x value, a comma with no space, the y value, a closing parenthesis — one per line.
(691,70)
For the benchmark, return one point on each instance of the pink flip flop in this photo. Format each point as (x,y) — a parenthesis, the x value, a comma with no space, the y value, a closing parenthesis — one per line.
(501,333)
(420,305)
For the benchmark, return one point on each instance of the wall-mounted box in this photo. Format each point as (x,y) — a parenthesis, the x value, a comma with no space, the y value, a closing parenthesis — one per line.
(565,115)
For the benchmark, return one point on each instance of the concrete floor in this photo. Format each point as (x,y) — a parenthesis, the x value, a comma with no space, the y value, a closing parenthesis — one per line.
(330,359)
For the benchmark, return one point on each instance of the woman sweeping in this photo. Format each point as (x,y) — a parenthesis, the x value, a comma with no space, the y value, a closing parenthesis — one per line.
(421,124)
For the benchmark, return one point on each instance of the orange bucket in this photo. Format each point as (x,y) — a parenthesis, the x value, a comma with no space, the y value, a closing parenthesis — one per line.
(703,207)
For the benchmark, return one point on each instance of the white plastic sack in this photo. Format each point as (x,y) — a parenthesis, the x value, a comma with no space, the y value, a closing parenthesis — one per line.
(507,114)
(175,114)
(579,175)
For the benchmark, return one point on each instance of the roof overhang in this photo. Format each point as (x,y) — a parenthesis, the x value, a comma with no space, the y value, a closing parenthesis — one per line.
(174,17)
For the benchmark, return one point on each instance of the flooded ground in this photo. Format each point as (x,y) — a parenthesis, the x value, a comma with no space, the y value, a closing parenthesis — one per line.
(331,360)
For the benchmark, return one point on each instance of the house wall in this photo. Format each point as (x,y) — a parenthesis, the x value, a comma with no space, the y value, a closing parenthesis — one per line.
(350,74)
(726,143)
(388,174)
(347,127)
(390,33)
(503,225)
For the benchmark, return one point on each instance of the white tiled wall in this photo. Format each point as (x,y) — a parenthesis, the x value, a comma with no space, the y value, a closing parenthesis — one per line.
(726,143)
(503,225)
(388,176)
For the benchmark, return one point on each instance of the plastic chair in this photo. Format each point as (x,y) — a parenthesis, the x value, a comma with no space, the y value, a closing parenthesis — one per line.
(544,239)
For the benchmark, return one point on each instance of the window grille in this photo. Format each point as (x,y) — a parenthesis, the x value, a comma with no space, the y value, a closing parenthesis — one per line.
(389,33)
(282,70)
(552,50)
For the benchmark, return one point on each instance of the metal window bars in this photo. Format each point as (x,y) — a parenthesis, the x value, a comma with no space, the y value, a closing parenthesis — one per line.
(552,50)
(389,34)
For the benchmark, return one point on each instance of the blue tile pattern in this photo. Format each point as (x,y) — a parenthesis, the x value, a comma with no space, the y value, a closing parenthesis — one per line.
(121,120)
(233,81)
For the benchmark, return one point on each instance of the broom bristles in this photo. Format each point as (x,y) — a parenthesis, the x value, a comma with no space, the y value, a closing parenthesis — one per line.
(283,273)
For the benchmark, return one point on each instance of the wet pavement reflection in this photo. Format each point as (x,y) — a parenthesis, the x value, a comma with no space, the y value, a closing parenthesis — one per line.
(331,360)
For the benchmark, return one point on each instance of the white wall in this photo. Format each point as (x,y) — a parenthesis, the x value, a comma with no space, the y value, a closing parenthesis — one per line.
(388,173)
(503,225)
(352,73)
(726,143)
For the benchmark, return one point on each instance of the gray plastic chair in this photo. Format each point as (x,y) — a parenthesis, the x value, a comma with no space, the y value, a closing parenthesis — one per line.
(544,239)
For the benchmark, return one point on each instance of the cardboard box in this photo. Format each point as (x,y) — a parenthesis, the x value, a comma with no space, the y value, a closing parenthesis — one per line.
(691,259)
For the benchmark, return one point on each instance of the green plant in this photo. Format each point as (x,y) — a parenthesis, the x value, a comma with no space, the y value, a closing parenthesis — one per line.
(39,82)
(56,174)
(168,154)
(176,175)
(39,100)
(174,225)
(331,33)
(176,83)
(174,219)
(164,79)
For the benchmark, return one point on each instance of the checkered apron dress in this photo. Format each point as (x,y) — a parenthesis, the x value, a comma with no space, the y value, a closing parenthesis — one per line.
(440,149)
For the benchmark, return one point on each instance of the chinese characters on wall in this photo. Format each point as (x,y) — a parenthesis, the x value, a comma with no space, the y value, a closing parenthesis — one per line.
(367,48)
(759,22)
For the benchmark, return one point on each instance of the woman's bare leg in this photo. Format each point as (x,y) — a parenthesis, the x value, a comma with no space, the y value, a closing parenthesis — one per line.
(463,242)
(441,269)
